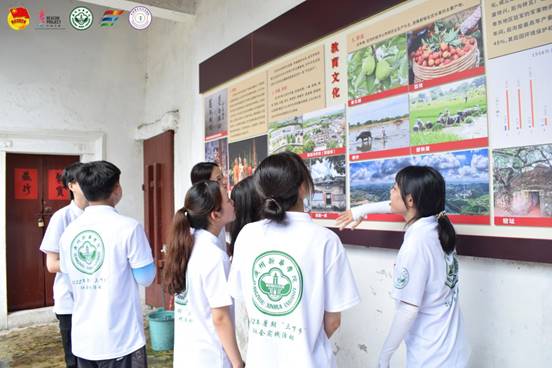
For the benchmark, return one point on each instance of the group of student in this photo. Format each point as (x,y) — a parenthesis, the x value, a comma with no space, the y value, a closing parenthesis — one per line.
(291,274)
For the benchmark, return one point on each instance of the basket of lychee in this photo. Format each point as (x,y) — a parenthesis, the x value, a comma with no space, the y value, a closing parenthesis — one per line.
(437,59)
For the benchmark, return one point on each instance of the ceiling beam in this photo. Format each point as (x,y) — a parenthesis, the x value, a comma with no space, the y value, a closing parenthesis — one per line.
(175,10)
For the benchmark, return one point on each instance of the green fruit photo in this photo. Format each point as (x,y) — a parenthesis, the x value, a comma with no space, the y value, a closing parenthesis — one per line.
(378,67)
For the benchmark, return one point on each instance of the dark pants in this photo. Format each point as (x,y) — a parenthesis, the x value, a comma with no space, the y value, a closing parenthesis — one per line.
(65,331)
(137,359)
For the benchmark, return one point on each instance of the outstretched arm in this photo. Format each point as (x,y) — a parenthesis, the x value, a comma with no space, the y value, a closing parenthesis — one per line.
(355,214)
(225,331)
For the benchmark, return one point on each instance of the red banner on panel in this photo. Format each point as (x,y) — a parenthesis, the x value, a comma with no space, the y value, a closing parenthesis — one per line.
(469,219)
(56,191)
(25,183)
(324,215)
(216,136)
(322,153)
(377,96)
(386,217)
(450,146)
(404,151)
(447,79)
(523,221)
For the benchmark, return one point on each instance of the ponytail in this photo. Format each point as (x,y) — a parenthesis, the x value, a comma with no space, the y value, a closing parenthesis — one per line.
(272,210)
(179,252)
(447,234)
(201,199)
(428,190)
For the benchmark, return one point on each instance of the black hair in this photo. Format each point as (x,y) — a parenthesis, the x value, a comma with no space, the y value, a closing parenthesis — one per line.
(69,175)
(202,198)
(97,179)
(427,188)
(202,171)
(279,178)
(247,203)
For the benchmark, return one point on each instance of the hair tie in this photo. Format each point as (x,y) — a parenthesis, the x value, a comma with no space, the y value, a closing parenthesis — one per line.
(441,215)
(185,212)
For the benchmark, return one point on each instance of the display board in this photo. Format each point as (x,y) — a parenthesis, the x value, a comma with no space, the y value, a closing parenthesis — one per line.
(464,87)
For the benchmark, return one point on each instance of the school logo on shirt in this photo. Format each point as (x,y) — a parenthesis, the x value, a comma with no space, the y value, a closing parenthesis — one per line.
(87,252)
(452,270)
(277,283)
(401,279)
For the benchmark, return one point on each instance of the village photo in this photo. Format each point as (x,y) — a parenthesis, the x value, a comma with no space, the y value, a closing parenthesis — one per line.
(244,158)
(446,46)
(286,135)
(216,114)
(447,113)
(379,125)
(377,68)
(328,174)
(217,151)
(522,180)
(324,129)
(466,174)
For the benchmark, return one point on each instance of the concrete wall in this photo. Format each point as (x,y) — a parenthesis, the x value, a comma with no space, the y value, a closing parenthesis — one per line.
(505,303)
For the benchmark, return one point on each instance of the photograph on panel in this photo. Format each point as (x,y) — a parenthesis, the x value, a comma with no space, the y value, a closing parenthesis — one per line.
(328,175)
(446,47)
(466,174)
(377,68)
(245,156)
(217,151)
(379,125)
(447,113)
(522,178)
(286,135)
(324,129)
(216,114)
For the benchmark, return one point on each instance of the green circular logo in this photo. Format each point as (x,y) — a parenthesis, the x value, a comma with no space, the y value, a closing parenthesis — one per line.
(81,18)
(277,283)
(401,279)
(87,252)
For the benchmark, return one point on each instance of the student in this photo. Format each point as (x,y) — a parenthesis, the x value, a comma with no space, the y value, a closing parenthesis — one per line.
(292,274)
(196,271)
(425,284)
(246,205)
(106,256)
(211,171)
(63,298)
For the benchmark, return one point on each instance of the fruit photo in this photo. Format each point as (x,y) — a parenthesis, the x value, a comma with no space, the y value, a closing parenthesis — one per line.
(445,47)
(378,67)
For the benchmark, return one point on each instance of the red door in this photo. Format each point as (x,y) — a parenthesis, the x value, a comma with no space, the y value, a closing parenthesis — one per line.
(158,205)
(33,194)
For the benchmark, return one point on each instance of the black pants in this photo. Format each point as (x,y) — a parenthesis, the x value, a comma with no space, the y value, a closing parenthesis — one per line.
(65,331)
(137,359)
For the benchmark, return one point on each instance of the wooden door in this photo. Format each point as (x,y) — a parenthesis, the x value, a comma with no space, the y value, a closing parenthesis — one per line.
(158,205)
(33,194)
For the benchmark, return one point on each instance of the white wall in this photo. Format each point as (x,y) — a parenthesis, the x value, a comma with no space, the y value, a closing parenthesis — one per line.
(70,80)
(61,83)
(507,305)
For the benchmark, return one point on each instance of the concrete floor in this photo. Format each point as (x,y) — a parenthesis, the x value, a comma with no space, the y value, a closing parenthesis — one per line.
(40,347)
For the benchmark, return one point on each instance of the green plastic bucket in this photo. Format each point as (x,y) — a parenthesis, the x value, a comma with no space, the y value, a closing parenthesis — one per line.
(161,325)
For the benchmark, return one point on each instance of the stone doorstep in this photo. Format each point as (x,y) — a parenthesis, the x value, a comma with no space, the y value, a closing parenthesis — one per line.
(31,317)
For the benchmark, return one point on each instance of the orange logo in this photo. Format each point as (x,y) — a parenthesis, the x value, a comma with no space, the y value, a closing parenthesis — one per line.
(18,18)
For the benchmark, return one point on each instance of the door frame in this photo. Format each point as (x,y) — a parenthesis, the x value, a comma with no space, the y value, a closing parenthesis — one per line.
(89,146)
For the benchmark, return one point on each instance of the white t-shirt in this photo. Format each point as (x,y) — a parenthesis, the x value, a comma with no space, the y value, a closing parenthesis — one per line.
(196,343)
(288,275)
(98,251)
(428,278)
(63,295)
